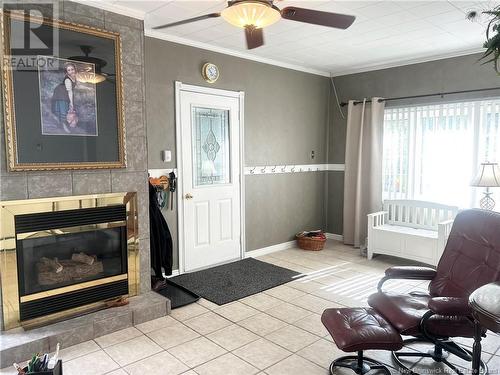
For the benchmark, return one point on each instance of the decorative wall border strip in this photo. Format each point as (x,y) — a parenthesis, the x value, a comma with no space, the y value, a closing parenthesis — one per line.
(293,168)
(267,169)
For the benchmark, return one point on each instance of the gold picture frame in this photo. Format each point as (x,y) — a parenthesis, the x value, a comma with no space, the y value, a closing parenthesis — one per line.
(105,151)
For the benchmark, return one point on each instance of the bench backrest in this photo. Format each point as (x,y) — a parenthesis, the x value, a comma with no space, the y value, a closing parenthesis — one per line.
(418,214)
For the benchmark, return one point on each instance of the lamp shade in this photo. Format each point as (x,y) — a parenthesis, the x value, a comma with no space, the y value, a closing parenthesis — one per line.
(487,176)
(256,13)
(90,77)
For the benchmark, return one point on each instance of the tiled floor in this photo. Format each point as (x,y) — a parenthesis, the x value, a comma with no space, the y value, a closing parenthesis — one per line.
(275,332)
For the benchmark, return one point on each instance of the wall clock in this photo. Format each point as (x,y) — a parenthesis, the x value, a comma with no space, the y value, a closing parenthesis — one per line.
(210,72)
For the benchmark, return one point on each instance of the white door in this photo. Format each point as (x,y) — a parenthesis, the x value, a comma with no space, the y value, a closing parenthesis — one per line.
(210,179)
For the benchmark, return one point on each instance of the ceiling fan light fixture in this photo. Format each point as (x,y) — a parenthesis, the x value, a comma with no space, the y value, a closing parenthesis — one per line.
(251,13)
(90,77)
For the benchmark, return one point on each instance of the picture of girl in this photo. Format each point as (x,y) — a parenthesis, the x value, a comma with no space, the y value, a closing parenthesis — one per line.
(63,105)
(68,106)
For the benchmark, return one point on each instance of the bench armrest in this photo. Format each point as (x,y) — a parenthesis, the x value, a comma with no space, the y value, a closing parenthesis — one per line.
(408,273)
(377,218)
(450,306)
(379,213)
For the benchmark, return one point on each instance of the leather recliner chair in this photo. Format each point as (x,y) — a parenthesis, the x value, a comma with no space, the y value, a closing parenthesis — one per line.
(470,260)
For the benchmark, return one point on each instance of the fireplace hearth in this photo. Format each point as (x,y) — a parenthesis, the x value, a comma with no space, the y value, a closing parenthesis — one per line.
(62,257)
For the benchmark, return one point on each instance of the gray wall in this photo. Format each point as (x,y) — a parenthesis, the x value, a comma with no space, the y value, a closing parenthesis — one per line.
(24,185)
(285,119)
(454,74)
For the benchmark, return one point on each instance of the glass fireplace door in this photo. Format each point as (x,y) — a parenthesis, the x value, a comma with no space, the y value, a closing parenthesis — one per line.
(57,258)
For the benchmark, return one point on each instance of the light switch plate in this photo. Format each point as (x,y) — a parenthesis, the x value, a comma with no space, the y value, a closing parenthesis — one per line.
(166,156)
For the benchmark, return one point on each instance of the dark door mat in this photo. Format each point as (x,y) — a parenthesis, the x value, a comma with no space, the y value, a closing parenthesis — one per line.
(178,295)
(232,281)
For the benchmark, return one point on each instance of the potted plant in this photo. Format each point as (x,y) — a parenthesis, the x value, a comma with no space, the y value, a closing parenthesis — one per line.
(492,43)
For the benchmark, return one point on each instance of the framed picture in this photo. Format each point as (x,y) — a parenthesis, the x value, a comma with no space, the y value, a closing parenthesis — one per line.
(62,95)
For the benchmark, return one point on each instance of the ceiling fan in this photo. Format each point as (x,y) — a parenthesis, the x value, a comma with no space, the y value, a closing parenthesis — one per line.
(91,74)
(254,15)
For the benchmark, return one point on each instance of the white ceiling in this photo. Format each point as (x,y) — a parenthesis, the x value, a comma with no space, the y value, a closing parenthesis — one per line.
(385,33)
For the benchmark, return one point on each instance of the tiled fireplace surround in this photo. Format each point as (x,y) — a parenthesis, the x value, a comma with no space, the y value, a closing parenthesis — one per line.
(27,185)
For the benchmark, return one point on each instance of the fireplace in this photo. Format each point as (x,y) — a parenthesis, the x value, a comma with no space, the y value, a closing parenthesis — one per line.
(62,257)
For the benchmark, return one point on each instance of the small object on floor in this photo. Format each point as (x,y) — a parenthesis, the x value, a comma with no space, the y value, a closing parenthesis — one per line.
(158,284)
(312,240)
(54,358)
(42,365)
(19,369)
(178,295)
(232,281)
(122,301)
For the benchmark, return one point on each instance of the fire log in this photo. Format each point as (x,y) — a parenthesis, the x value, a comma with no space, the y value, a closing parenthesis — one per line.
(72,271)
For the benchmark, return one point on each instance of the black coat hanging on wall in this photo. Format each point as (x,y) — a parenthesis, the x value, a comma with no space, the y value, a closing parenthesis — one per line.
(161,246)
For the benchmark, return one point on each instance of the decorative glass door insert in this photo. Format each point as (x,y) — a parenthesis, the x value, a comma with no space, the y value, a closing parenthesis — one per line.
(211,147)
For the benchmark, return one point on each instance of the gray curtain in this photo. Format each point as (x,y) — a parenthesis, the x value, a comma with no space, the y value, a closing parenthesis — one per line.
(363,168)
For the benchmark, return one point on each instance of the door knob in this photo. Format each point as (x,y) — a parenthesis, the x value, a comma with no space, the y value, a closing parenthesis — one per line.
(188,196)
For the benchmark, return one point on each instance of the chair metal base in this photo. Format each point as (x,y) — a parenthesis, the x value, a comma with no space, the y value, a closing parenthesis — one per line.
(437,354)
(359,364)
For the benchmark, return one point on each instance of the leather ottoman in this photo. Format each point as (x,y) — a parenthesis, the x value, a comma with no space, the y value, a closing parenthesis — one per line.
(356,330)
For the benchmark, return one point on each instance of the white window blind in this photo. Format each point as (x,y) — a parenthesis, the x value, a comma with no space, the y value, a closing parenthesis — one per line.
(432,152)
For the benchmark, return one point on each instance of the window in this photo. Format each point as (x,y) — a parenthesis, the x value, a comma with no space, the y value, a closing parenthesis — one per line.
(432,152)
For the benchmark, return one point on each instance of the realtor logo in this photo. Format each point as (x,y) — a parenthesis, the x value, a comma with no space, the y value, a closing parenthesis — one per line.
(28,36)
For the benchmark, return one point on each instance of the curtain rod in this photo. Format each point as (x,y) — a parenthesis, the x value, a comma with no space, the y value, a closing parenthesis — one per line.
(343,104)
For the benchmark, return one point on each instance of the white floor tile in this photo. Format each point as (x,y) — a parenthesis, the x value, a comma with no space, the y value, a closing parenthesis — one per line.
(207,323)
(197,351)
(156,324)
(236,311)
(262,353)
(295,365)
(232,337)
(172,336)
(161,363)
(97,363)
(228,364)
(118,337)
(292,338)
(261,301)
(188,312)
(133,350)
(288,313)
(262,324)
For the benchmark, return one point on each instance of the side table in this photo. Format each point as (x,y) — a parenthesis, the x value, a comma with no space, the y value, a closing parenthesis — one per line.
(485,305)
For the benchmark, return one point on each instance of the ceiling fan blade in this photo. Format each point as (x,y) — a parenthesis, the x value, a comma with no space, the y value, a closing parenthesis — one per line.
(316,17)
(189,20)
(254,36)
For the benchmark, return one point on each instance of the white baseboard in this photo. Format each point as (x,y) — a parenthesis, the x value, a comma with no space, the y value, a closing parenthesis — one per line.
(336,237)
(275,248)
(270,249)
(174,273)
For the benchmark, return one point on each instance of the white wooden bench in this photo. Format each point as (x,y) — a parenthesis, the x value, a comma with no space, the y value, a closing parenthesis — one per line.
(410,229)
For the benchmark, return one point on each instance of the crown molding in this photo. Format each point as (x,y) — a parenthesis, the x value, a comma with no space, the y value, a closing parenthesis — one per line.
(123,10)
(114,8)
(396,63)
(227,51)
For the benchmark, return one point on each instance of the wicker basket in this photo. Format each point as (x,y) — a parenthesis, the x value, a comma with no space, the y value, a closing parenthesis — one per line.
(310,243)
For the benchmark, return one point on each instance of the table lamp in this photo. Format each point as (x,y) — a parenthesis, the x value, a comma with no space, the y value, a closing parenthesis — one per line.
(488,176)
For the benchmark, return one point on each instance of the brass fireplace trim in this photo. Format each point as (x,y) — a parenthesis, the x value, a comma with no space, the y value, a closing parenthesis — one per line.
(8,258)
(71,288)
